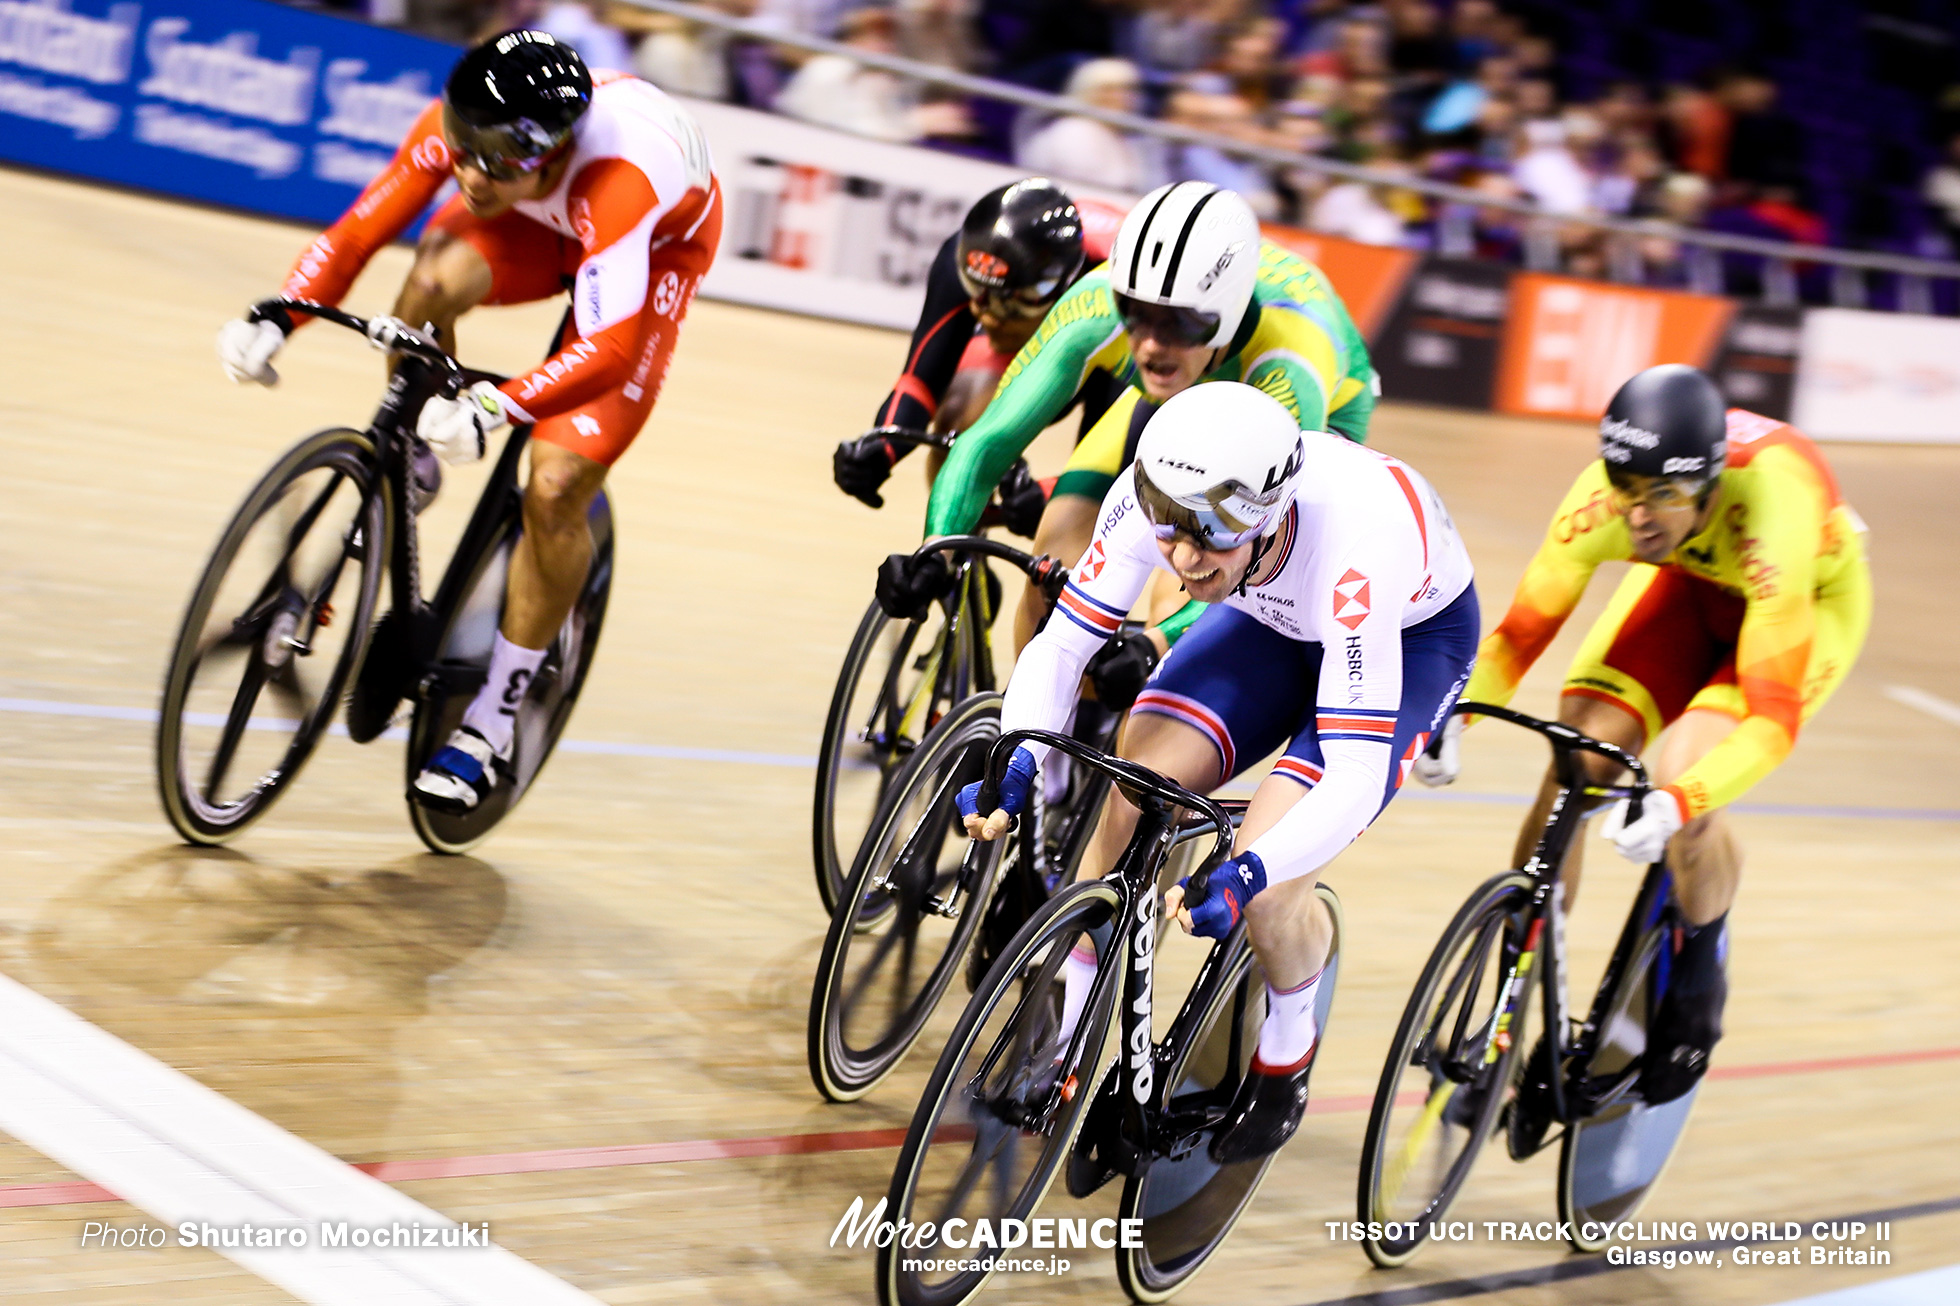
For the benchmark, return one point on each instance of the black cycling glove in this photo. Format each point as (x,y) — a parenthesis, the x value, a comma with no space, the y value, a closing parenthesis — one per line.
(1021,499)
(860,466)
(1121,668)
(907,585)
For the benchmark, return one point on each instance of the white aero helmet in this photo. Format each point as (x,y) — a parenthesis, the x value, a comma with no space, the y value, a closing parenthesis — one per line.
(1218,463)
(1191,248)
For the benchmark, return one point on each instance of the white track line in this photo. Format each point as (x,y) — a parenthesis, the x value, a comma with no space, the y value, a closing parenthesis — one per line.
(1930,704)
(166,1143)
(1933,1288)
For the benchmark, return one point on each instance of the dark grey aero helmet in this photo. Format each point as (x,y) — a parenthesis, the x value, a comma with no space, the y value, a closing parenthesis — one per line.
(1667,421)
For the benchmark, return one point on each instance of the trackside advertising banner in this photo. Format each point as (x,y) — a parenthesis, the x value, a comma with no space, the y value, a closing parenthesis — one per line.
(237,102)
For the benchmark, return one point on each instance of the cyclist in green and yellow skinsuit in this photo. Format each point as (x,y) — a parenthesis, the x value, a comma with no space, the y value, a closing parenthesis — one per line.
(1191,294)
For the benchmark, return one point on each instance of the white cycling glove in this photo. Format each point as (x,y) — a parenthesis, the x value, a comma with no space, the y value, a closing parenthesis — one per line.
(1645,841)
(1441,769)
(245,350)
(459,429)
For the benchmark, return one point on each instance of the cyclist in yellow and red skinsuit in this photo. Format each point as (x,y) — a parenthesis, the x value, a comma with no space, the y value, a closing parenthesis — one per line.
(1747,603)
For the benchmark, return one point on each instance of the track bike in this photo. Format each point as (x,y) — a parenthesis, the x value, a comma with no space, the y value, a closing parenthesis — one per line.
(920,896)
(1015,1098)
(1455,1057)
(898,680)
(281,624)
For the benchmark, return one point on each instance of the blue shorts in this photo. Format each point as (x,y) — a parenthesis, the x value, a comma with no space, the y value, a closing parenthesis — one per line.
(1249,688)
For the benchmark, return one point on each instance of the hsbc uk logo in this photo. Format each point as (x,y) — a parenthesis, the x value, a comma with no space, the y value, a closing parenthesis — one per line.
(1351,599)
(1092,564)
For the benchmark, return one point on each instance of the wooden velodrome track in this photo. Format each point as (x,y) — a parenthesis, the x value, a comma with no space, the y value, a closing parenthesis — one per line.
(628,961)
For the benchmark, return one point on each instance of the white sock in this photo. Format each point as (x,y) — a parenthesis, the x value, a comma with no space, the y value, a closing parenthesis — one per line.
(1286,1038)
(493,712)
(1078,977)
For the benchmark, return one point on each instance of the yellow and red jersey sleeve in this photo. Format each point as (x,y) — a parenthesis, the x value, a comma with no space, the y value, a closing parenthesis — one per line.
(391,201)
(1585,532)
(1773,520)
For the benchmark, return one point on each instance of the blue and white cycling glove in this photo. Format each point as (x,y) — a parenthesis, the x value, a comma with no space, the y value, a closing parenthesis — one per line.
(1014,787)
(1229,889)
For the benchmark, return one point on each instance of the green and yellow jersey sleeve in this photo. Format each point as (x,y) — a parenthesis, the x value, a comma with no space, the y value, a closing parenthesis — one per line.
(1080,334)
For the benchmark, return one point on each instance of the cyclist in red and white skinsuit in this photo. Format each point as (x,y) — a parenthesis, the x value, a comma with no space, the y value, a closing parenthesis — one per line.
(617,203)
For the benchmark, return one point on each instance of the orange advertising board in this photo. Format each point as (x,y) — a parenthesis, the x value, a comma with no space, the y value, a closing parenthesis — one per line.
(1367,277)
(1568,344)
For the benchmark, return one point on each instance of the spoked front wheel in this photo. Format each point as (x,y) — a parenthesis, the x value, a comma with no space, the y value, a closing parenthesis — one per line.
(1003,1104)
(891,951)
(898,679)
(1187,1202)
(276,625)
(1448,1070)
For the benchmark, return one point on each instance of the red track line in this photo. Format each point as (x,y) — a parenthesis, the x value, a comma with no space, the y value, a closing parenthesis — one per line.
(76,1192)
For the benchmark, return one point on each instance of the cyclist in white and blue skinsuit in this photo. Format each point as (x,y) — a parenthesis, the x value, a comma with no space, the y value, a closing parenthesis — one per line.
(1343,626)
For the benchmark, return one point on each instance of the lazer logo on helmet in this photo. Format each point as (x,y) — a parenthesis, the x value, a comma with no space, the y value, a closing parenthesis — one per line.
(1673,465)
(1625,432)
(1278,476)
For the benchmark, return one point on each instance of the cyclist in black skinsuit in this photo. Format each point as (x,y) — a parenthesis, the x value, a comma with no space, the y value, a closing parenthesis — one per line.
(990,285)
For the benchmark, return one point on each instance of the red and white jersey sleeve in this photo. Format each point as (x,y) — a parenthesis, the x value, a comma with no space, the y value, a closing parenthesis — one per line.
(391,201)
(1375,553)
(1102,589)
(640,176)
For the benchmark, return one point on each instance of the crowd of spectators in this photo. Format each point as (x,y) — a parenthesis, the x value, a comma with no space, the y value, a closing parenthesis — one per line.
(1462,92)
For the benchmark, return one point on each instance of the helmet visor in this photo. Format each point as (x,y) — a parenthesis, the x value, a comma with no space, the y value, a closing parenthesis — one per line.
(502,151)
(1233,514)
(984,277)
(1655,493)
(1186,327)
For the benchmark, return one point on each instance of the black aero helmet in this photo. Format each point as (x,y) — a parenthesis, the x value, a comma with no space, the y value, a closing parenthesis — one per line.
(1667,421)
(1020,247)
(513,100)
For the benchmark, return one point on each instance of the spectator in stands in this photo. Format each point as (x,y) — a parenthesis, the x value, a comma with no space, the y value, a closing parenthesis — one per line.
(1696,126)
(1082,149)
(1682,199)
(1299,128)
(1421,53)
(1360,211)
(833,90)
(1250,60)
(1204,105)
(1942,191)
(1473,33)
(1039,42)
(578,24)
(1548,173)
(680,56)
(944,121)
(1764,146)
(1535,98)
(1171,37)
(938,32)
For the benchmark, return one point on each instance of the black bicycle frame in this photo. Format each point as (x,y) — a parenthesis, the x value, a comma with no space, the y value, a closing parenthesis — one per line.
(1562,826)
(1135,878)
(423,371)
